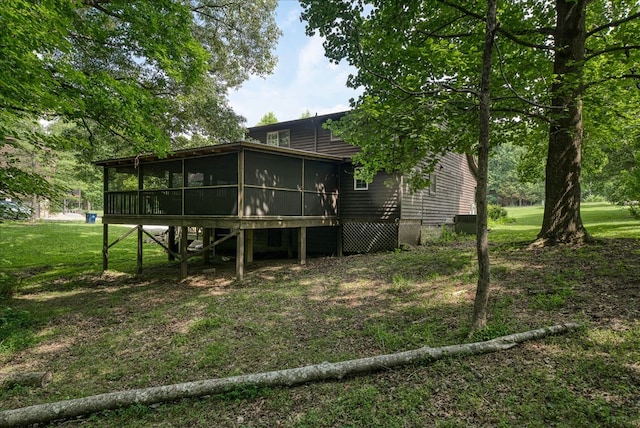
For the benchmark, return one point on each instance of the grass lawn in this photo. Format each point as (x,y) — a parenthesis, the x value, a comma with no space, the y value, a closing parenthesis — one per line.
(105,332)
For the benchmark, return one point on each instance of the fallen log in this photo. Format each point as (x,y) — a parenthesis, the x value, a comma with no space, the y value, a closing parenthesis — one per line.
(34,379)
(324,371)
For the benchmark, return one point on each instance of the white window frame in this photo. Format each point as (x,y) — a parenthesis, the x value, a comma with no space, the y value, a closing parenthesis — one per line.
(359,184)
(278,138)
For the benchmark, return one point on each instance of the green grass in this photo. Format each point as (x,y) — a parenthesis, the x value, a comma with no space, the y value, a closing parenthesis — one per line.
(602,220)
(49,251)
(100,333)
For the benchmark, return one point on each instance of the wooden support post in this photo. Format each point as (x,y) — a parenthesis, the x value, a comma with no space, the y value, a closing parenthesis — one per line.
(289,236)
(302,245)
(240,255)
(171,237)
(184,242)
(340,242)
(139,255)
(249,246)
(206,240)
(105,247)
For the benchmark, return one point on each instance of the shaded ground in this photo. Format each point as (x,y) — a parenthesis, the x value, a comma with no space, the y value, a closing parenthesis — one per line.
(112,332)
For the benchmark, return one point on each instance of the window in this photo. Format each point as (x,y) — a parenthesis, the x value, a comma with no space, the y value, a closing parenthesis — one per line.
(358,183)
(432,184)
(335,137)
(278,138)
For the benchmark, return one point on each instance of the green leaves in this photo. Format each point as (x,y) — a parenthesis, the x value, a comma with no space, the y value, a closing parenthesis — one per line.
(419,64)
(132,74)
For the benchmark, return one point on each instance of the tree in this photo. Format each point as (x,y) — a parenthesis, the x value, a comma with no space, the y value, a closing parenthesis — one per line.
(416,61)
(306,114)
(132,75)
(481,301)
(508,184)
(267,119)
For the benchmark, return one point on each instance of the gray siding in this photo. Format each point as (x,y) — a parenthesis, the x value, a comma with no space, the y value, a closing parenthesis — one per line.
(454,194)
(334,147)
(379,202)
(307,134)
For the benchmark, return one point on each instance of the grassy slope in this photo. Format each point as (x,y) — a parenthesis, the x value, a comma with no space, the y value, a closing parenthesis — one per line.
(116,331)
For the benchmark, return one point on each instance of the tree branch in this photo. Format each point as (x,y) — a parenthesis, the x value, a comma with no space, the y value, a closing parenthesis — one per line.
(510,35)
(510,87)
(613,24)
(609,50)
(610,78)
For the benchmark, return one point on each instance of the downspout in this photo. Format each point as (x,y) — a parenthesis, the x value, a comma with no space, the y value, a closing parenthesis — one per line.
(315,133)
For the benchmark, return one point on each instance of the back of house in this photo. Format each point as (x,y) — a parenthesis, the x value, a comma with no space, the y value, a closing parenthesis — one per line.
(382,214)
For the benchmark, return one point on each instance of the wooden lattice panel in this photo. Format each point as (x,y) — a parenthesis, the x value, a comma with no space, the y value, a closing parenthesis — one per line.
(369,237)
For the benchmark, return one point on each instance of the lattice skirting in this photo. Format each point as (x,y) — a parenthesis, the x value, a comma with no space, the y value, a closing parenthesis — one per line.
(369,237)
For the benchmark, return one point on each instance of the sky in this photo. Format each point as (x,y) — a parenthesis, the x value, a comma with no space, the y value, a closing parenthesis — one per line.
(304,79)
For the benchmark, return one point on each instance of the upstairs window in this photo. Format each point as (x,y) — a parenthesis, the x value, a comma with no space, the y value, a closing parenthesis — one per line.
(279,138)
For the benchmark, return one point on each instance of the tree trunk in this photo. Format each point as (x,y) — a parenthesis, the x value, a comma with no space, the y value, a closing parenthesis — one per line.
(36,379)
(113,400)
(562,222)
(479,319)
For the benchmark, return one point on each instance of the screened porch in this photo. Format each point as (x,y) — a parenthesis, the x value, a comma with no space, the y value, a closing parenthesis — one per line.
(240,187)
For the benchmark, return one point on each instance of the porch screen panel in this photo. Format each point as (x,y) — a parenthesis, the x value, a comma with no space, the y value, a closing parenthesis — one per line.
(122,178)
(211,201)
(161,175)
(321,176)
(272,202)
(271,170)
(320,204)
(321,188)
(161,202)
(215,170)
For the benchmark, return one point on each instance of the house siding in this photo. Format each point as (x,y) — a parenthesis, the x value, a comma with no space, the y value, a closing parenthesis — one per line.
(454,194)
(308,135)
(379,203)
(370,217)
(383,216)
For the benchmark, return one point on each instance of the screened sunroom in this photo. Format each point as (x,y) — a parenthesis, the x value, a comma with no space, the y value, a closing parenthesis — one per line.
(240,187)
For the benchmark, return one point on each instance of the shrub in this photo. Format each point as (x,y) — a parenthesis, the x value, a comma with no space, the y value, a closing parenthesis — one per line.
(496,212)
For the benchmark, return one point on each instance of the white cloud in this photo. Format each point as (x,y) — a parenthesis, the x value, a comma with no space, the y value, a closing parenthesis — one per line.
(303,80)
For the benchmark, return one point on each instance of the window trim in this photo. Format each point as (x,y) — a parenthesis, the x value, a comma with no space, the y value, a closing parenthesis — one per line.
(278,138)
(359,184)
(433,178)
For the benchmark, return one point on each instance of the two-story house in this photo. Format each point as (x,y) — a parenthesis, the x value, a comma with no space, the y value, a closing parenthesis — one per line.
(290,189)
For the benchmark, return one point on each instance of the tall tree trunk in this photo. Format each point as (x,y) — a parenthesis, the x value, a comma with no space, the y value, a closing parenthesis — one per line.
(479,319)
(562,222)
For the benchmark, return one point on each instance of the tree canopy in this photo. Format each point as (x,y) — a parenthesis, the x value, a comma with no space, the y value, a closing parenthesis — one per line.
(419,63)
(267,119)
(132,75)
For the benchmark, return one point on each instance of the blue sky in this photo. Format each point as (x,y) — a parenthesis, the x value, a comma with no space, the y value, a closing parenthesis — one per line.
(304,79)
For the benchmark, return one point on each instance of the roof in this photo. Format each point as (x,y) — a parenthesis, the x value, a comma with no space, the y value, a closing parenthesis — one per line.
(216,149)
(280,125)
